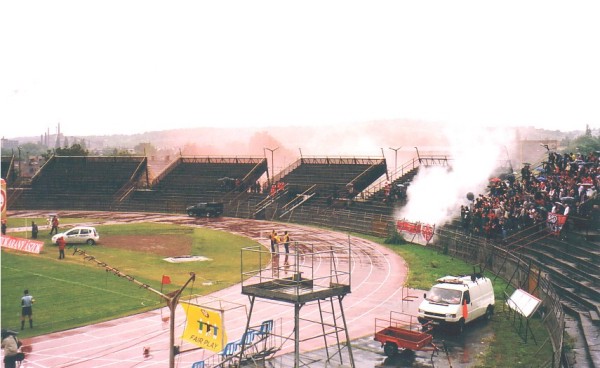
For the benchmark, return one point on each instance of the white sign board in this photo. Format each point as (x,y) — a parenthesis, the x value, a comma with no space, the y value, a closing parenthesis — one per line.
(523,302)
(24,245)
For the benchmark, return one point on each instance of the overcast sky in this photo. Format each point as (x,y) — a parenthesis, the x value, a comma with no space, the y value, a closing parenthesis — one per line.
(111,67)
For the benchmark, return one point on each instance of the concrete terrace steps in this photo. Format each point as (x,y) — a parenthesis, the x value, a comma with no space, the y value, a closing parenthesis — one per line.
(585,298)
(577,270)
(583,249)
(577,352)
(574,255)
(586,336)
(572,271)
(593,236)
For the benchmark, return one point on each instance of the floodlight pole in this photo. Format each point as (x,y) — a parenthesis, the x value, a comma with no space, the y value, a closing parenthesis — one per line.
(19,148)
(272,163)
(395,157)
(418,156)
(172,299)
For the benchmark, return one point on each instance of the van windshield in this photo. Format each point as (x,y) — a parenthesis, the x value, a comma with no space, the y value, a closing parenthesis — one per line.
(440,295)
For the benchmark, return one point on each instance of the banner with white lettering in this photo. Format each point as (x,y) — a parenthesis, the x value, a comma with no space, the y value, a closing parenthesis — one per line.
(556,222)
(204,327)
(416,232)
(24,245)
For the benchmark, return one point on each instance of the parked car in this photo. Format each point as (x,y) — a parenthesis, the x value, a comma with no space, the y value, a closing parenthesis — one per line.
(79,235)
(210,209)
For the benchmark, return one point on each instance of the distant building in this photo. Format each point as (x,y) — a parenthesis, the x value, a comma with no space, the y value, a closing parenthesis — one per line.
(10,143)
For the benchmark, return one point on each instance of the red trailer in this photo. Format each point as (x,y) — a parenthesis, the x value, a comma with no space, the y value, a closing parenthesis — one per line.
(403,331)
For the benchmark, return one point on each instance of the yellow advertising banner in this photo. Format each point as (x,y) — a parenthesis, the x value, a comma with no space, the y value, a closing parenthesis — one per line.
(204,327)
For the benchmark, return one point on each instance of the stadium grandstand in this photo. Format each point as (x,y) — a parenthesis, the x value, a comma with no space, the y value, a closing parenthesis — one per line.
(8,169)
(541,221)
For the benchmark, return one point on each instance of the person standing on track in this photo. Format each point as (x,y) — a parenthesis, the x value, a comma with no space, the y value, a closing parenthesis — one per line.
(285,239)
(286,242)
(273,238)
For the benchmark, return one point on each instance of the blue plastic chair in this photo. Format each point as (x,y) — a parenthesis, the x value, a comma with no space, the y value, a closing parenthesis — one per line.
(229,349)
(265,327)
(248,337)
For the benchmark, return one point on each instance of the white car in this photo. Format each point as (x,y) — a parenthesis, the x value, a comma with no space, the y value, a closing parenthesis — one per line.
(79,235)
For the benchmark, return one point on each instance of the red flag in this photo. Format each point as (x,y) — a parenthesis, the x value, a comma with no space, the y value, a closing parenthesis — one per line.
(166,280)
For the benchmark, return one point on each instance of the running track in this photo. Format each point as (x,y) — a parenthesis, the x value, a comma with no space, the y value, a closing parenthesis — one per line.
(377,279)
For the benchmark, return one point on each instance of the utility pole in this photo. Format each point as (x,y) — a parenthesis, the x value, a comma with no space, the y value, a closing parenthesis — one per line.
(172,300)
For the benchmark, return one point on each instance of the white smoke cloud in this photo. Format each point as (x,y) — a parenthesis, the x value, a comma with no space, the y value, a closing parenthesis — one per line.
(436,193)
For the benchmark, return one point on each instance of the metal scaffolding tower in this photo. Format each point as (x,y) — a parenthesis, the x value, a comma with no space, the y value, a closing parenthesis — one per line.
(312,275)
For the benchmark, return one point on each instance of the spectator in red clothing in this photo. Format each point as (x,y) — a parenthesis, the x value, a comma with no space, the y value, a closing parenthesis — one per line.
(61,247)
(54,224)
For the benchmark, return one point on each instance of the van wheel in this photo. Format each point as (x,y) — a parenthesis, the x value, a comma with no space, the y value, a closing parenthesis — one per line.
(90,242)
(390,349)
(489,313)
(460,327)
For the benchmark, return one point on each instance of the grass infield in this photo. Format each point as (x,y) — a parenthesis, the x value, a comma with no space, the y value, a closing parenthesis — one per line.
(75,292)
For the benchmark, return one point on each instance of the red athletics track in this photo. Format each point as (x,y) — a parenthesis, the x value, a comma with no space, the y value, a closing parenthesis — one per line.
(377,277)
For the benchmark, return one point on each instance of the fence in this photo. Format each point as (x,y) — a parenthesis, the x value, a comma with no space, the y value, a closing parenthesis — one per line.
(518,274)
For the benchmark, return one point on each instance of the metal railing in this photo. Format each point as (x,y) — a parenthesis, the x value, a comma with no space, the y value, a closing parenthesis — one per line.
(518,273)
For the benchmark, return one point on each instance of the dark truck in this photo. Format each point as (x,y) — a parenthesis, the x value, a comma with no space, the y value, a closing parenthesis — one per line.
(210,209)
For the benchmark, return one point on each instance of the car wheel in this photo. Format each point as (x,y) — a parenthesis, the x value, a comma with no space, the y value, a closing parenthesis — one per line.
(90,242)
(390,349)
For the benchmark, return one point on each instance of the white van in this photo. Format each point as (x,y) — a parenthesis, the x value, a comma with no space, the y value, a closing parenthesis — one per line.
(458,300)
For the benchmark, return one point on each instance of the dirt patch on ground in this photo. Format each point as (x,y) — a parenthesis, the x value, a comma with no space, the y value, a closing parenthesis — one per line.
(162,245)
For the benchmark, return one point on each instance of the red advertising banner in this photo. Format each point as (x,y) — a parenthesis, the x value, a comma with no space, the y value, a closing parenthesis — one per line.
(424,231)
(410,227)
(24,245)
(556,222)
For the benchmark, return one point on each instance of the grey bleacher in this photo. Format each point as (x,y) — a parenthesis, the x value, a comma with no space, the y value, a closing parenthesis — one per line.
(333,176)
(79,182)
(189,180)
(76,174)
(207,174)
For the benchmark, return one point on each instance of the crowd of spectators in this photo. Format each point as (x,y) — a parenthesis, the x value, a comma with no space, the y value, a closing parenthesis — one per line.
(562,185)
